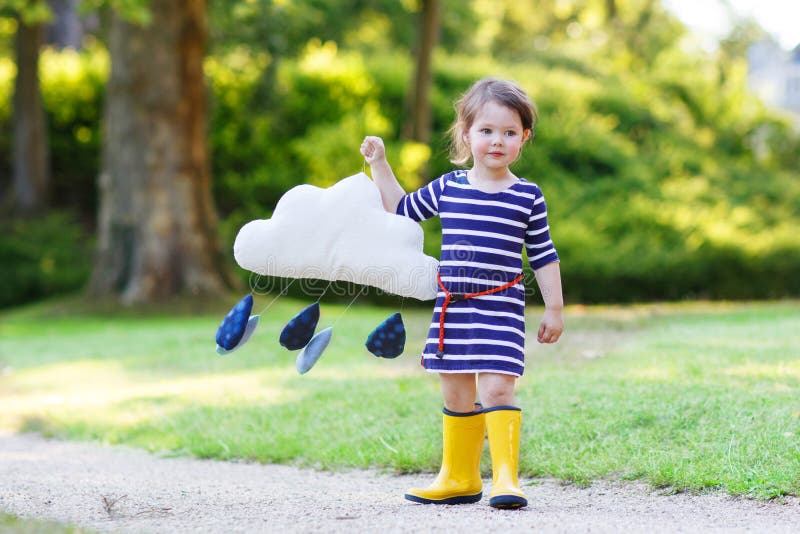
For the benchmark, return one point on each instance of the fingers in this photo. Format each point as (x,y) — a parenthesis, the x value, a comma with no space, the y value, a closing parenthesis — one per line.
(369,144)
(544,337)
(548,334)
(366,149)
(368,152)
(372,148)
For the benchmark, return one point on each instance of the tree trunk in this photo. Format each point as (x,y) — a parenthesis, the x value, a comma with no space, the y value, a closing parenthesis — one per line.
(418,122)
(157,221)
(611,10)
(31,167)
(66,31)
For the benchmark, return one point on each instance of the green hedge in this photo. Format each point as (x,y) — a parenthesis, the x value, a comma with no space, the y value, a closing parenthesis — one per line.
(42,256)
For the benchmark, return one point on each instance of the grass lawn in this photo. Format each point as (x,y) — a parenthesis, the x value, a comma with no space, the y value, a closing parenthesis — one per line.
(10,524)
(685,396)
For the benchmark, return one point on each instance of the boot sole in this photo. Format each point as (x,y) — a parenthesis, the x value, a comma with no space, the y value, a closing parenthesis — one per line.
(463,499)
(508,502)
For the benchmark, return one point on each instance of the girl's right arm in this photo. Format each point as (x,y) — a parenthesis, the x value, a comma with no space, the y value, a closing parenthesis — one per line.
(375,154)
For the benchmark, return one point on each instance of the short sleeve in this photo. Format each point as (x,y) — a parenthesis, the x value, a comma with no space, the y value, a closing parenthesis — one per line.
(541,250)
(423,203)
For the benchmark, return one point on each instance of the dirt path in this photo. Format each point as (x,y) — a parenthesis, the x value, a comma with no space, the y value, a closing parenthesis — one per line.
(126,490)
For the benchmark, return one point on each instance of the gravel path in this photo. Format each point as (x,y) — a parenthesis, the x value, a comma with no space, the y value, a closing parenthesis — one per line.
(126,490)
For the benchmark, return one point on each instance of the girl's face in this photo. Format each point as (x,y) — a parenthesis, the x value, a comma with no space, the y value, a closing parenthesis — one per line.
(496,136)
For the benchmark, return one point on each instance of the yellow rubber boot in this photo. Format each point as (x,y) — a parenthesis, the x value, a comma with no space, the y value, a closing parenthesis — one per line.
(503,424)
(459,480)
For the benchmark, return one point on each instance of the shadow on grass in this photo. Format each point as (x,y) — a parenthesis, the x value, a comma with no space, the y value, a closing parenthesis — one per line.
(330,423)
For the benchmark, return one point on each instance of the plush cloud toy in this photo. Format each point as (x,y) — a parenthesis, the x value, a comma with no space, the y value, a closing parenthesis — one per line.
(341,233)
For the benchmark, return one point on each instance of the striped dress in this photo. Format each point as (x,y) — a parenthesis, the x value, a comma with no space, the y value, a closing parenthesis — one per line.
(482,240)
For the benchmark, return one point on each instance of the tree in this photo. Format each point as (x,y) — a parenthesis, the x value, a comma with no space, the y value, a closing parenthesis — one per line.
(157,221)
(66,31)
(611,10)
(31,157)
(418,122)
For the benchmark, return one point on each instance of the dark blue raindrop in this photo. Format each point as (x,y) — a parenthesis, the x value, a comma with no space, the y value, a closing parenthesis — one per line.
(232,328)
(388,339)
(248,331)
(300,329)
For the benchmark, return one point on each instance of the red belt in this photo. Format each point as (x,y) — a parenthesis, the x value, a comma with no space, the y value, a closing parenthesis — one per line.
(456,297)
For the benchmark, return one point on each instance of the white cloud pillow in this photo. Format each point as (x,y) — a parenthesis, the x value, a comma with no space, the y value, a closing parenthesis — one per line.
(340,233)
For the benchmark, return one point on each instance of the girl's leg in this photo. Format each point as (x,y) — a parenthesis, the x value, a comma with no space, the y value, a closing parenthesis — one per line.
(495,389)
(503,425)
(458,391)
(463,429)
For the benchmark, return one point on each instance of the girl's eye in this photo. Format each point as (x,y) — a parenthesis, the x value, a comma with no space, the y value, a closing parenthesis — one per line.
(511,133)
(486,131)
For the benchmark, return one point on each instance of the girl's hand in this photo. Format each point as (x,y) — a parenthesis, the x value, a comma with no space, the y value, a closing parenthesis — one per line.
(551,327)
(372,149)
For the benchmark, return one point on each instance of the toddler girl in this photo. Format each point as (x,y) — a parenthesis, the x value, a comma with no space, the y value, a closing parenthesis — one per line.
(478,327)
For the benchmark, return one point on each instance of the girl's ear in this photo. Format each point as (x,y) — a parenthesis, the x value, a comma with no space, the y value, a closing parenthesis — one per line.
(526,135)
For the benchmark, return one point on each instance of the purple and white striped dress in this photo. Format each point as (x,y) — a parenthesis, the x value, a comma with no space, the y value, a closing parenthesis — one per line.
(482,239)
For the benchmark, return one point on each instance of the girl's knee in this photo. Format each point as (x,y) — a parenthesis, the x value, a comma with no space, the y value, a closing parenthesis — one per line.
(458,392)
(496,390)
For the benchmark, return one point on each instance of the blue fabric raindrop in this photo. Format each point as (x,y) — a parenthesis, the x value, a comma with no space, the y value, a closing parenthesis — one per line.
(311,353)
(300,329)
(248,331)
(232,328)
(388,339)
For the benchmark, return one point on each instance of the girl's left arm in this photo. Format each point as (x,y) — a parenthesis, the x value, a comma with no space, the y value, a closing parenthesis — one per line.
(549,279)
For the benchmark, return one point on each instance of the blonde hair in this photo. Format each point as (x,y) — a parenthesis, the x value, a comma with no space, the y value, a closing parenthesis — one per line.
(503,92)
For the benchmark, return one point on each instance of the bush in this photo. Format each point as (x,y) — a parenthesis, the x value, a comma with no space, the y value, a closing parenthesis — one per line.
(42,256)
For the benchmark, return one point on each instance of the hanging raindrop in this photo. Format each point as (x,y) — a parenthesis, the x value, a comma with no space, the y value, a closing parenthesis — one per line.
(234,324)
(312,352)
(388,339)
(300,329)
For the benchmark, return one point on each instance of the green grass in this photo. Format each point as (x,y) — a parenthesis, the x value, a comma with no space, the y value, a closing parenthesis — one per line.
(12,524)
(689,397)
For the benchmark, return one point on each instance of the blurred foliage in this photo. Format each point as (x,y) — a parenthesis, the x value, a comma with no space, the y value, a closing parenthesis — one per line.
(30,11)
(665,178)
(41,256)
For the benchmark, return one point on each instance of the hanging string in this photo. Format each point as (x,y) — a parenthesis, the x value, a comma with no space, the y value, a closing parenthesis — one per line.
(285,290)
(254,286)
(348,306)
(325,290)
(279,295)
